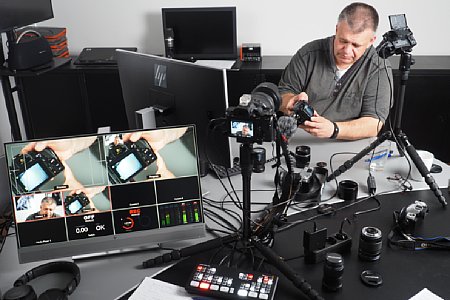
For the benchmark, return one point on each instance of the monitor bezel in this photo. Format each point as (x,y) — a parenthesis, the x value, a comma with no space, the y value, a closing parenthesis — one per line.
(205,56)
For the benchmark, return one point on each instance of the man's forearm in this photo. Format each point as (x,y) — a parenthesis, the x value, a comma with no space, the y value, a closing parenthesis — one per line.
(359,128)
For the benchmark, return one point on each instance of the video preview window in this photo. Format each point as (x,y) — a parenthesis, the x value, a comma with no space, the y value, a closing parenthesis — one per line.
(39,207)
(63,164)
(241,129)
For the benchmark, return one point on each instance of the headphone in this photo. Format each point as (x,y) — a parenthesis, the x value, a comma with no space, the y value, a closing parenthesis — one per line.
(22,290)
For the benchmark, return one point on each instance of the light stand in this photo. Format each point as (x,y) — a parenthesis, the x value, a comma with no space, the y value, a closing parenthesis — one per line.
(401,138)
(247,237)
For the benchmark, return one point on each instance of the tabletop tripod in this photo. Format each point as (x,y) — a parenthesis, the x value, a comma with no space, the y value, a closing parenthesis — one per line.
(249,237)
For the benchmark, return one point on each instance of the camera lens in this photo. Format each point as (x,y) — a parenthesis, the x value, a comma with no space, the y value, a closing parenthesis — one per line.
(259,159)
(370,244)
(302,156)
(332,272)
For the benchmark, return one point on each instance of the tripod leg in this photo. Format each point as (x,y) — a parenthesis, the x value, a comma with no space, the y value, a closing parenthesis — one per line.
(287,271)
(188,251)
(422,168)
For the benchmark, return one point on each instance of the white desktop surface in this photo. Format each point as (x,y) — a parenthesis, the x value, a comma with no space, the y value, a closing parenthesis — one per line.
(108,277)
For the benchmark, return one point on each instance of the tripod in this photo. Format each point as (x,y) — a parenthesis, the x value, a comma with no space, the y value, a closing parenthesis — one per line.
(247,237)
(398,136)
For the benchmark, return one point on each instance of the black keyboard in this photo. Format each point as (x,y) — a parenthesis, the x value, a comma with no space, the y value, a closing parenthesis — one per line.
(221,171)
(230,283)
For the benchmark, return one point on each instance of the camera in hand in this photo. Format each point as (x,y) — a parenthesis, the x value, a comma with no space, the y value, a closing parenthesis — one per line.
(31,170)
(302,112)
(398,40)
(128,159)
(253,119)
(76,203)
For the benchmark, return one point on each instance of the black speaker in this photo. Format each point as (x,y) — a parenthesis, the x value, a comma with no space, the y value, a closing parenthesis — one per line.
(29,51)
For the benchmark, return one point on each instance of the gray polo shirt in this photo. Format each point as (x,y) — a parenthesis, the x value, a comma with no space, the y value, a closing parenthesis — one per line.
(364,90)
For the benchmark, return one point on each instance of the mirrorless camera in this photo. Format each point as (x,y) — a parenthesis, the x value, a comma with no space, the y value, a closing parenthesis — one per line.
(125,160)
(76,203)
(31,170)
(398,40)
(253,119)
(302,112)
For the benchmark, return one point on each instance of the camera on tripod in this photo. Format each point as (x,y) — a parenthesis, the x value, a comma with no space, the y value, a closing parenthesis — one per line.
(398,40)
(253,119)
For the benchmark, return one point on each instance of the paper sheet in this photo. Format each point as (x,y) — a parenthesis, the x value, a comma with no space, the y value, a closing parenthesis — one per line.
(153,289)
(426,294)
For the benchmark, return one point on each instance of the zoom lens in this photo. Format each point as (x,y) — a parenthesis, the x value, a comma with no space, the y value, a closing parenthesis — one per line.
(332,272)
(302,156)
(370,244)
(259,159)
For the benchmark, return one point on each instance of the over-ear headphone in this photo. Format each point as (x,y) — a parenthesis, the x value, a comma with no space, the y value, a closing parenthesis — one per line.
(22,290)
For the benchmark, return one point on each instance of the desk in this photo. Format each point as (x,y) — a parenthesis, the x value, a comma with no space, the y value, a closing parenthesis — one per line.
(108,277)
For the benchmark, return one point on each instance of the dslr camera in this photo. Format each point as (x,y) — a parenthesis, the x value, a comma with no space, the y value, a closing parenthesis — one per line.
(31,170)
(398,40)
(75,204)
(253,119)
(128,159)
(302,112)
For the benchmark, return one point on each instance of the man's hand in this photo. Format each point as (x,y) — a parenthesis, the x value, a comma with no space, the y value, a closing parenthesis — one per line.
(318,126)
(289,100)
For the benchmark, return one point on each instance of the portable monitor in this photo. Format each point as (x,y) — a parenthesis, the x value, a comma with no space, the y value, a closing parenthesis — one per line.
(88,194)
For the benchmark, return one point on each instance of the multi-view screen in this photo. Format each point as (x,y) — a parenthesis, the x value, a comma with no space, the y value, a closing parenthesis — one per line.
(80,188)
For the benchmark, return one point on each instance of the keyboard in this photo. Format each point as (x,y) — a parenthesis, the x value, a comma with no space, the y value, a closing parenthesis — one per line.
(221,171)
(230,283)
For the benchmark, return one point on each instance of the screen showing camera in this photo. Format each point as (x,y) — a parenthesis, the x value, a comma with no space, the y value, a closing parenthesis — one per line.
(128,166)
(241,129)
(33,177)
(74,207)
(84,194)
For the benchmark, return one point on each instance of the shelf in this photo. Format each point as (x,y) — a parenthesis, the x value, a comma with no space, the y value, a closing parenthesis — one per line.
(56,63)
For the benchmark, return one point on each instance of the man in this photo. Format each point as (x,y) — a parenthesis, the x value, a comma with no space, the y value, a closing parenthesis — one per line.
(47,210)
(343,79)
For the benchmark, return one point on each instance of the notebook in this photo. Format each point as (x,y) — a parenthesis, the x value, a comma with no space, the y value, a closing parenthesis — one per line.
(100,56)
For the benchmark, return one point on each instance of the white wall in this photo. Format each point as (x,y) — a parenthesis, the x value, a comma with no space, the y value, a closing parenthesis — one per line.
(280,26)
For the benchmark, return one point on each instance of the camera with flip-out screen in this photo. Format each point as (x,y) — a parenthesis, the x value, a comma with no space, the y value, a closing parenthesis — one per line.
(76,203)
(31,170)
(253,119)
(125,160)
(398,40)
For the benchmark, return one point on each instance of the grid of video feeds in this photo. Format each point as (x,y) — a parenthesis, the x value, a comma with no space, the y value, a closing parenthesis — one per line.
(84,187)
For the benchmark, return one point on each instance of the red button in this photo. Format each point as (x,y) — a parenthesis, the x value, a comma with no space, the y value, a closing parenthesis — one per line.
(204,285)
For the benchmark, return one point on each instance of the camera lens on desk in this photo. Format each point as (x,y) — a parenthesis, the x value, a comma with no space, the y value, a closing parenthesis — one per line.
(302,156)
(259,159)
(332,272)
(370,244)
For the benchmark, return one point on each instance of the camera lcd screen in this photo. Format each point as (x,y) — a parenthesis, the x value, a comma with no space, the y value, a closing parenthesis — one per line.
(242,129)
(33,177)
(398,21)
(74,207)
(128,166)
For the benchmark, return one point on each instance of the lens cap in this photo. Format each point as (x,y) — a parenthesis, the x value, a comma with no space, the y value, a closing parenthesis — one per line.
(371,278)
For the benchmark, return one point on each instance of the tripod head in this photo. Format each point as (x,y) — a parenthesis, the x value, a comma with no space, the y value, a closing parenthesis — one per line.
(398,40)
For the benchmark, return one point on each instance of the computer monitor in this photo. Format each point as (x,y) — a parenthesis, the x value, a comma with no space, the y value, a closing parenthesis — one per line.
(181,93)
(89,194)
(202,32)
(19,13)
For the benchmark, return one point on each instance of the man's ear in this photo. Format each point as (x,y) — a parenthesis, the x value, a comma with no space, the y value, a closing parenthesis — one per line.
(372,40)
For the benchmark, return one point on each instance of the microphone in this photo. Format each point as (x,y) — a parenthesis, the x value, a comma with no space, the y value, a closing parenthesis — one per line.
(287,126)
